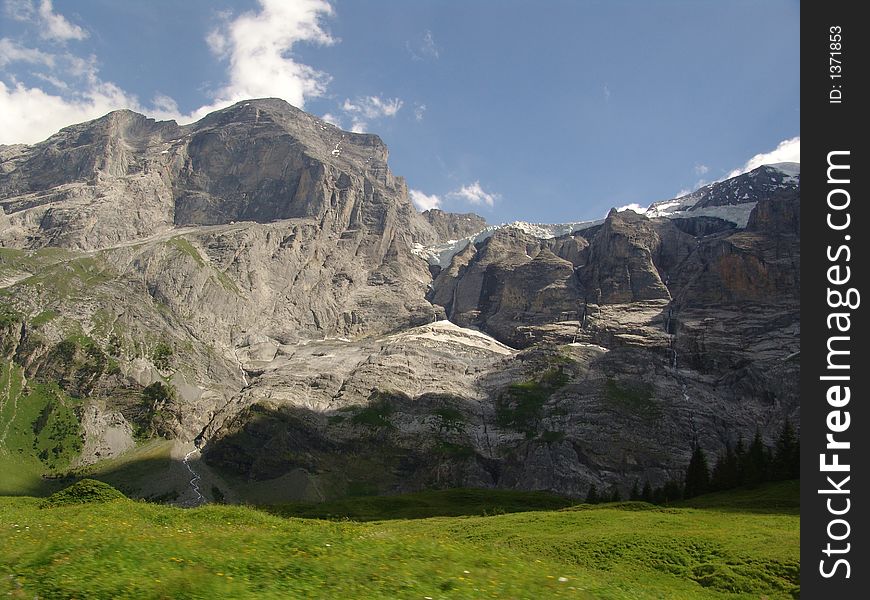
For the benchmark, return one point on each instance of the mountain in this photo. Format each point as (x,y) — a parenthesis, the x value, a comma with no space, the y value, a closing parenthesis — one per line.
(254,298)
(732,199)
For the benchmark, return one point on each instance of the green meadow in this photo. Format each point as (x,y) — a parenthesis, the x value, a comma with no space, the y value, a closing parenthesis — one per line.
(87,542)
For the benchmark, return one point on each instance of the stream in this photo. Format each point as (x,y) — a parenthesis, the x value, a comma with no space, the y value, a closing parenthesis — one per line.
(672,344)
(195,478)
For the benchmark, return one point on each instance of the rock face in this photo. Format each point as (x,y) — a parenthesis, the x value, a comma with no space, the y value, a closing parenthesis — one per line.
(452,226)
(253,282)
(759,183)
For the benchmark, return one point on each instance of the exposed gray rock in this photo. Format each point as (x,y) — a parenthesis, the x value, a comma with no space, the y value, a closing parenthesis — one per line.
(107,434)
(454,226)
(620,267)
(253,282)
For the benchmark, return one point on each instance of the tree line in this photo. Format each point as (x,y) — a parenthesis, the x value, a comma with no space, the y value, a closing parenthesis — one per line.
(735,467)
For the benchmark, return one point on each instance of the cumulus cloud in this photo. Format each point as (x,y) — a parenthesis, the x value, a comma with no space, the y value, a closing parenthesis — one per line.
(424,201)
(30,114)
(55,26)
(217,42)
(331,119)
(257,46)
(475,194)
(20,10)
(366,108)
(52,25)
(701,169)
(787,151)
(633,206)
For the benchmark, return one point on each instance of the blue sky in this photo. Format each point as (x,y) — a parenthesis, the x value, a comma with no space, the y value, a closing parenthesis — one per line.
(542,111)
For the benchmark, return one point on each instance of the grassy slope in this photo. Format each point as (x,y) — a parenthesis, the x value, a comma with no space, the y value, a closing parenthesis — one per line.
(781,497)
(435,503)
(36,419)
(133,549)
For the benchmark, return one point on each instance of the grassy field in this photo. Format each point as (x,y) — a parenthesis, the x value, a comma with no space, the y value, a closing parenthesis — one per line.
(435,503)
(133,549)
(39,433)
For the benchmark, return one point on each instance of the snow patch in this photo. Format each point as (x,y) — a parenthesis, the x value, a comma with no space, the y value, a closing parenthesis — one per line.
(789,168)
(674,208)
(442,254)
(448,332)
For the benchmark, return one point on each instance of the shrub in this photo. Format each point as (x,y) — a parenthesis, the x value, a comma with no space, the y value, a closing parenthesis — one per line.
(376,414)
(521,405)
(161,355)
(86,491)
(450,418)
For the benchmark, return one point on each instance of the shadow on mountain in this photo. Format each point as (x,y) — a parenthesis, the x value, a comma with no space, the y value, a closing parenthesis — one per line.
(393,444)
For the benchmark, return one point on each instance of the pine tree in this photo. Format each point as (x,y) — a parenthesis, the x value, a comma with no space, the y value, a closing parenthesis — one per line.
(795,467)
(647,494)
(592,496)
(635,491)
(786,457)
(615,496)
(740,453)
(755,467)
(697,474)
(672,491)
(725,475)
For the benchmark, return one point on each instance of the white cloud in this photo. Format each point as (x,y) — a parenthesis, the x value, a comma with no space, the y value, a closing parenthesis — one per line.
(11,51)
(419,111)
(366,108)
(29,114)
(424,201)
(59,84)
(20,10)
(372,107)
(425,49)
(428,48)
(606,93)
(633,206)
(701,169)
(475,194)
(332,119)
(217,42)
(786,151)
(257,46)
(54,26)
(165,104)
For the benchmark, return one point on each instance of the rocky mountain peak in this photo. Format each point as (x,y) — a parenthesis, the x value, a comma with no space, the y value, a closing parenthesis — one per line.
(259,160)
(454,226)
(326,142)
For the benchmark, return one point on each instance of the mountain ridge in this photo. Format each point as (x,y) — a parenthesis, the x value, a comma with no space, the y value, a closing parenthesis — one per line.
(258,288)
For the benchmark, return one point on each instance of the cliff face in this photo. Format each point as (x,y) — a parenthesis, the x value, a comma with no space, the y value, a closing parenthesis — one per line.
(253,281)
(124,177)
(452,226)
